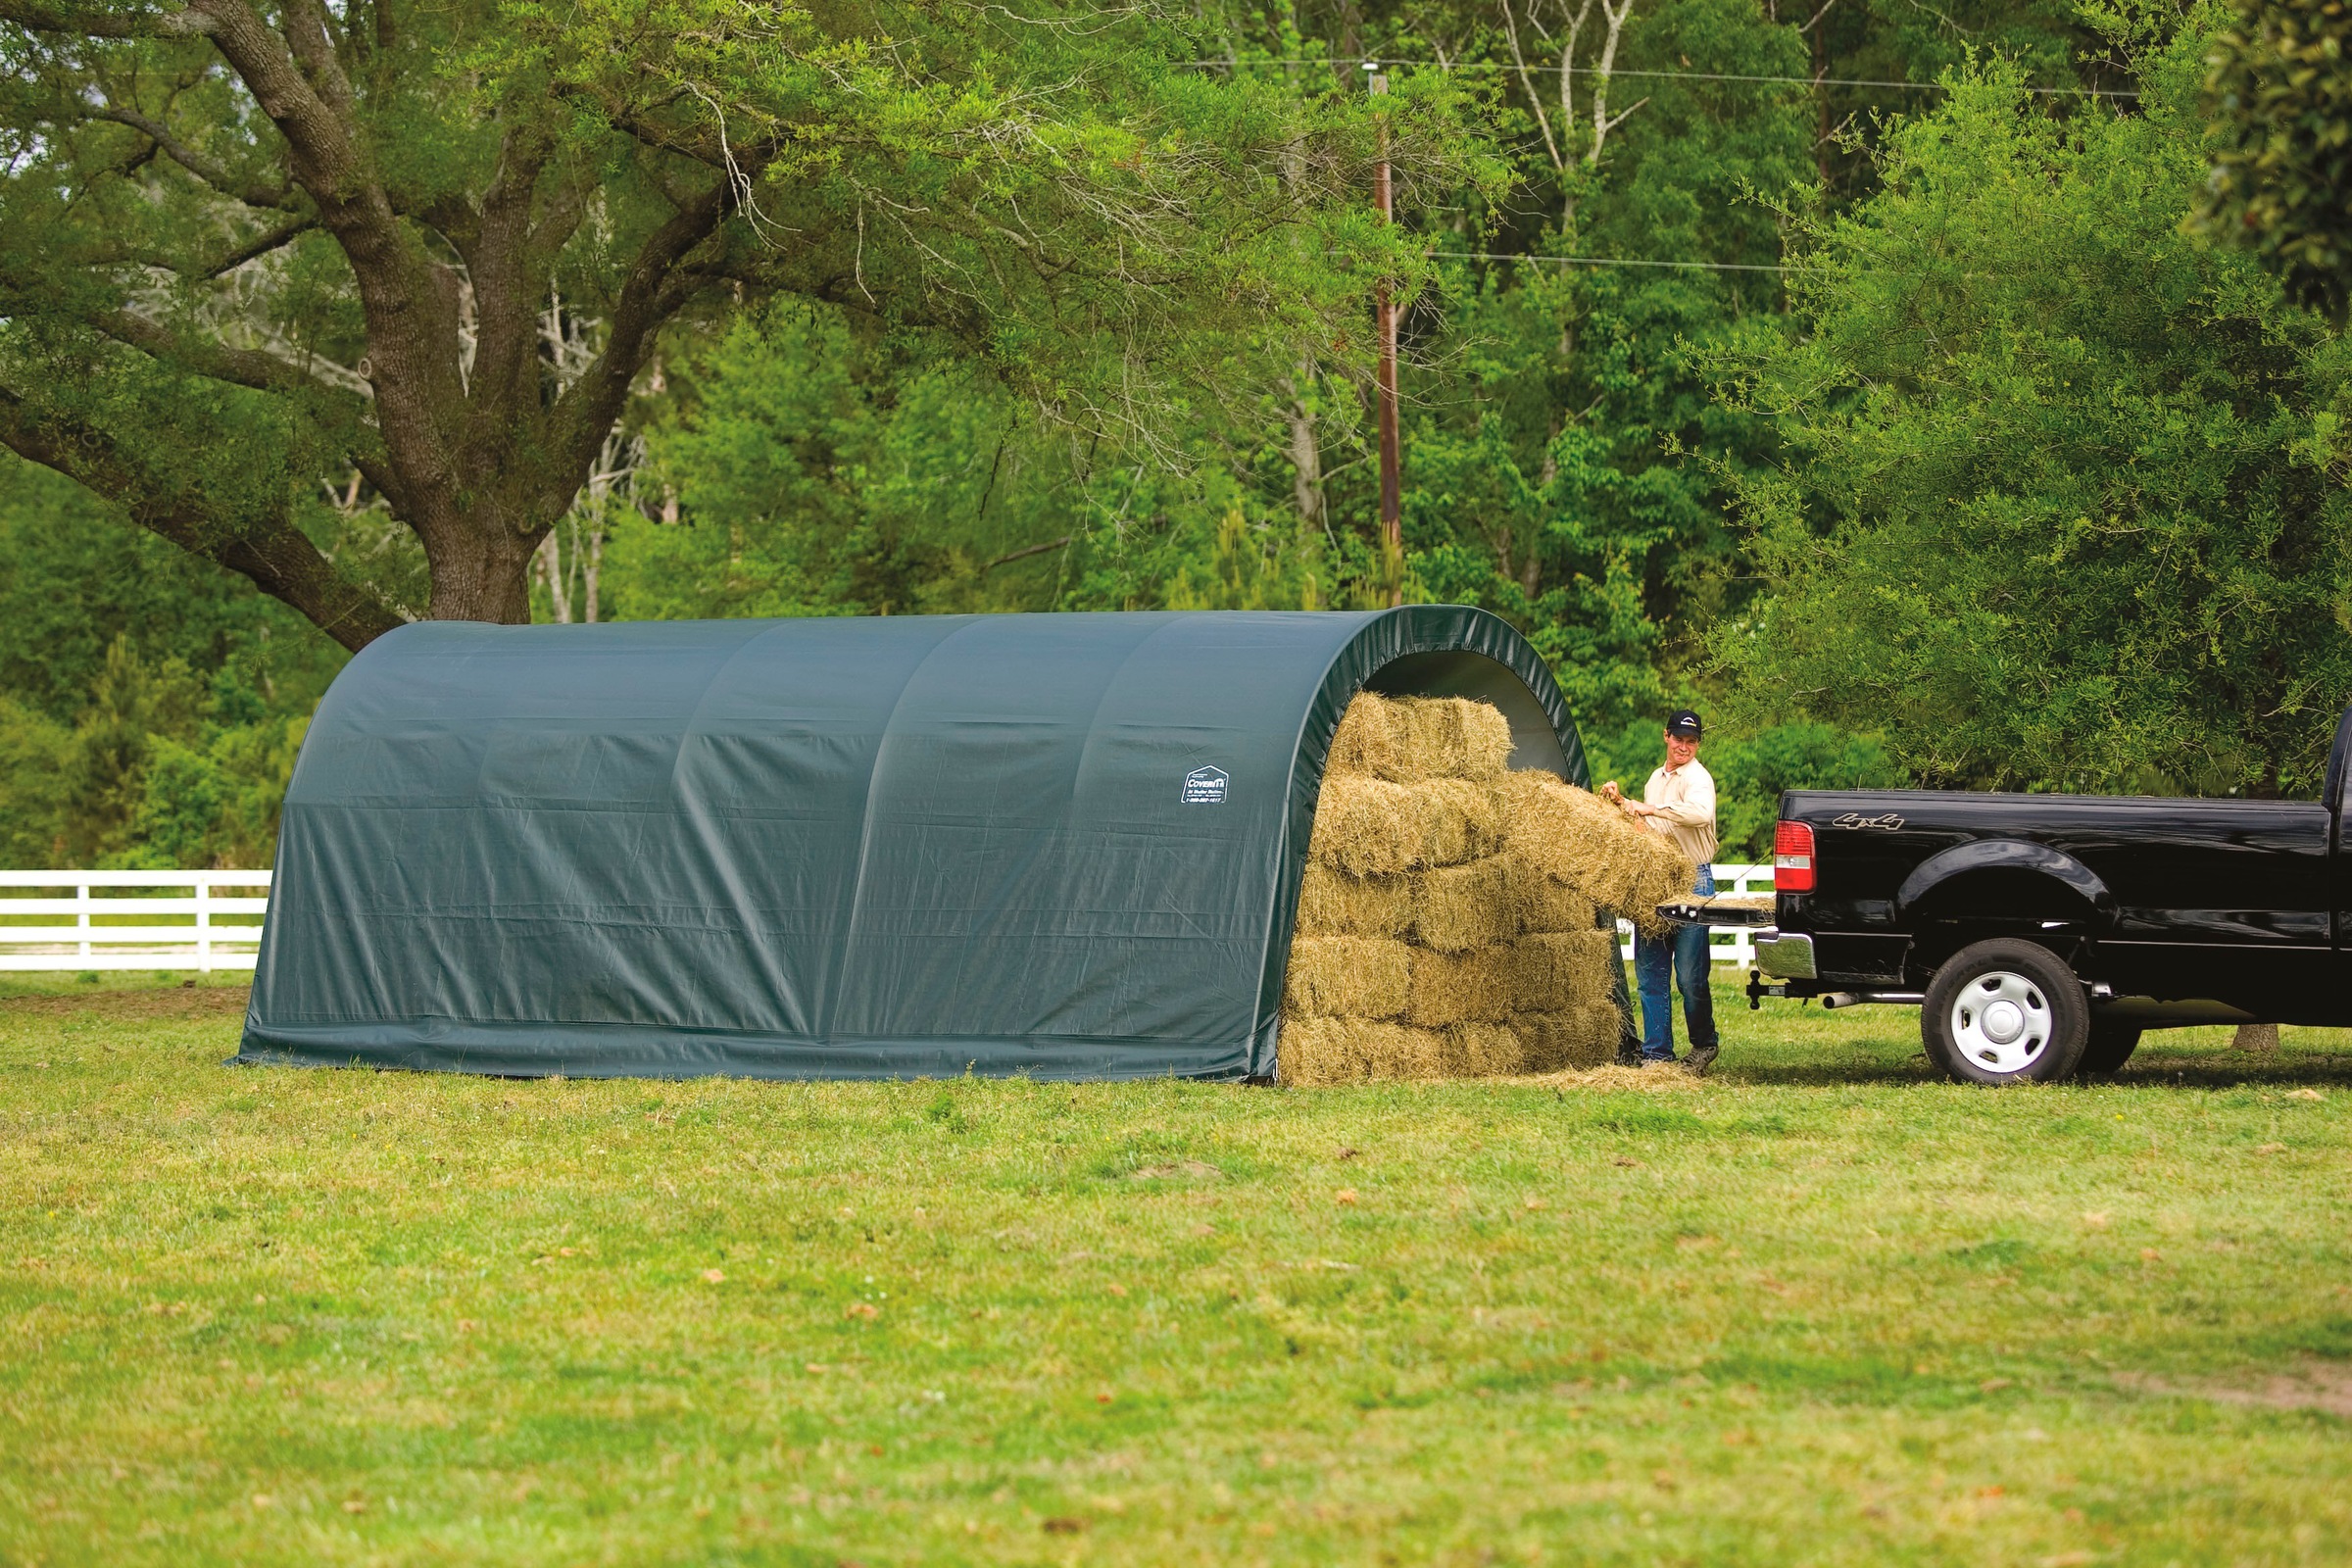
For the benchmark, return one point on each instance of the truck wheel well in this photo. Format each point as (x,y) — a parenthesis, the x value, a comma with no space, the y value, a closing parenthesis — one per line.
(1994,903)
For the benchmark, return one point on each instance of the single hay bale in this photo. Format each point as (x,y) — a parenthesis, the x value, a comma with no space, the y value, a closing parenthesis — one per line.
(1537,903)
(1458,987)
(1578,1037)
(1484,1050)
(1581,840)
(1408,739)
(1317,1052)
(1371,828)
(1458,908)
(1333,904)
(1352,977)
(1556,971)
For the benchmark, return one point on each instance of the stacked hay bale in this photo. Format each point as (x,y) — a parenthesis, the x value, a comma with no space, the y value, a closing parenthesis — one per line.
(1453,920)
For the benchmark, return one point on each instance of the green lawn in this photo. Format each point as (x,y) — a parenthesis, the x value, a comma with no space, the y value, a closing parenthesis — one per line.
(1817,1311)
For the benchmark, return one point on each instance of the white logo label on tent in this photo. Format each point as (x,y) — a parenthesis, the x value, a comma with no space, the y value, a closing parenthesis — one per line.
(1205,786)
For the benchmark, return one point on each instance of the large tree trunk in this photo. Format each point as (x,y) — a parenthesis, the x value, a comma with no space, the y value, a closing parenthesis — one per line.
(451,412)
(482,574)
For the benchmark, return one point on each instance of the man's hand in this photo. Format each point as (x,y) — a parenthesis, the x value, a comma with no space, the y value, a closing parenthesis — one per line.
(1610,793)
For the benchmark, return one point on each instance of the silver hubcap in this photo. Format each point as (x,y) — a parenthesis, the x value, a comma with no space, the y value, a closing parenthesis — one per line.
(2001,1021)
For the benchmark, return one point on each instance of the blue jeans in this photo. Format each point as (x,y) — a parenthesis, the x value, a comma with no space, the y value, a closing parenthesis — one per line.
(1680,957)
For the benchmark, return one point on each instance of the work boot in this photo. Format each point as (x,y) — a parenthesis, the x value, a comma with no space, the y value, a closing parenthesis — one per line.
(1701,1057)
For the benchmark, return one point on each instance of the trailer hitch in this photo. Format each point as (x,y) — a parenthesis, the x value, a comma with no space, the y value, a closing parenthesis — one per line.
(1757,990)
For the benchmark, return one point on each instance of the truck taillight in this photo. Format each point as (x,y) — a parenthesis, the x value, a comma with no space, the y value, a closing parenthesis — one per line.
(1792,858)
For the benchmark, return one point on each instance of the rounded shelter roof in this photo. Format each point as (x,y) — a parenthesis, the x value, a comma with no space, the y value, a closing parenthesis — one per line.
(1065,845)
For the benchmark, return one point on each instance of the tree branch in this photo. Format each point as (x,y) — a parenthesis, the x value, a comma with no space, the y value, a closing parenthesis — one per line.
(195,162)
(1527,81)
(412,330)
(37,18)
(259,246)
(655,287)
(273,554)
(257,368)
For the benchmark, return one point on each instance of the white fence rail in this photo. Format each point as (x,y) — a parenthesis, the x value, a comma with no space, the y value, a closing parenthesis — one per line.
(76,921)
(70,920)
(1732,944)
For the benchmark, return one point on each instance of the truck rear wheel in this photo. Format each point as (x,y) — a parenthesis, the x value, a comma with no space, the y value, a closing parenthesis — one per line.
(2003,1012)
(2109,1047)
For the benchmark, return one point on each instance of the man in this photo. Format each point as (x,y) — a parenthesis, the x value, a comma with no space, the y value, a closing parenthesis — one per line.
(1677,803)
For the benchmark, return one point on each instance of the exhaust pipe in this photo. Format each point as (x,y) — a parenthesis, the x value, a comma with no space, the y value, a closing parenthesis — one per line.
(1854,999)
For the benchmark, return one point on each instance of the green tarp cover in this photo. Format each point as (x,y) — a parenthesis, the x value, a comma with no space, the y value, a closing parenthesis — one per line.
(901,847)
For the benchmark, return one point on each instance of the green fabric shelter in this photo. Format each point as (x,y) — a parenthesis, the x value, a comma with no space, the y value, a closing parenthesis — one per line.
(1067,845)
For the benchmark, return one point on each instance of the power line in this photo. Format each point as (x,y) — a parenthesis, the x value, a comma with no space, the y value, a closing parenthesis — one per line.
(1665,76)
(1614,260)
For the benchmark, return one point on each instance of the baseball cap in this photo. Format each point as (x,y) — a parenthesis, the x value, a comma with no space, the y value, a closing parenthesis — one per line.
(1683,725)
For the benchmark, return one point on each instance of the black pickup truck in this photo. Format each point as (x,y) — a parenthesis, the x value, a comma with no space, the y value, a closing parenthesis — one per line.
(2041,934)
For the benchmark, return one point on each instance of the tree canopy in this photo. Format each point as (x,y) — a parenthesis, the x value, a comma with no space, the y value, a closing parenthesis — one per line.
(1844,370)
(2278,90)
(246,250)
(2062,505)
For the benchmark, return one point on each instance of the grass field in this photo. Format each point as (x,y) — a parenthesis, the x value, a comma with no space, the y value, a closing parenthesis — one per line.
(1817,1311)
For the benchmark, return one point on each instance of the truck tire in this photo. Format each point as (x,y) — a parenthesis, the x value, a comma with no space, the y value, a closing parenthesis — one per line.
(2005,1012)
(2109,1047)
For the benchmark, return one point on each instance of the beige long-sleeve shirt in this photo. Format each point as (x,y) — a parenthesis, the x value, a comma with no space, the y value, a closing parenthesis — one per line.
(1684,799)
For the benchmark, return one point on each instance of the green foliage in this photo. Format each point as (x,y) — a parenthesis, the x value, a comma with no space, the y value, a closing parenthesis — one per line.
(2062,505)
(153,704)
(2279,93)
(33,750)
(824,471)
(445,256)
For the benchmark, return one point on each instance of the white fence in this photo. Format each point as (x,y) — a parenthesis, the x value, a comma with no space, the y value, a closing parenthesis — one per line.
(131,920)
(1732,944)
(140,925)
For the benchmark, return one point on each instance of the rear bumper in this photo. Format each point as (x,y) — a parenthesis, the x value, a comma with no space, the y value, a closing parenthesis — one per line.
(1785,954)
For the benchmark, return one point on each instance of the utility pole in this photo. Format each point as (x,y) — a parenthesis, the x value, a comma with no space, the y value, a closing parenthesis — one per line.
(1392,478)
